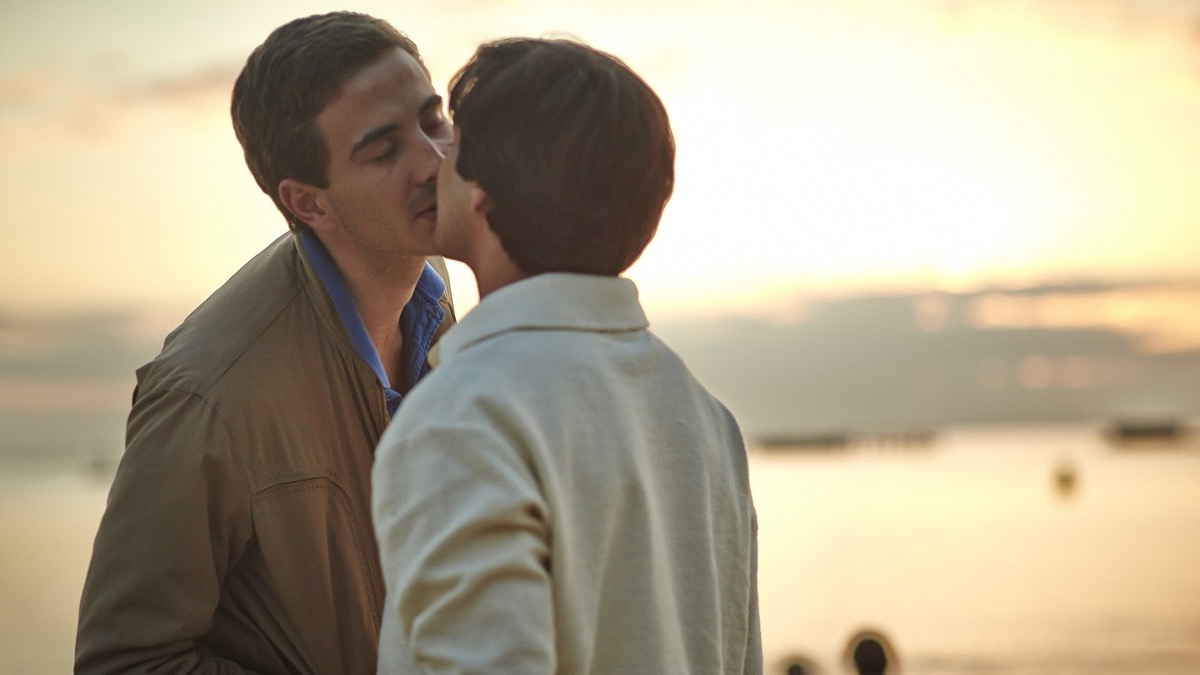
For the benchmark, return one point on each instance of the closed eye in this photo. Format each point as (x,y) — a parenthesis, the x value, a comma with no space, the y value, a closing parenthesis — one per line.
(373,139)
(387,152)
(433,119)
(439,130)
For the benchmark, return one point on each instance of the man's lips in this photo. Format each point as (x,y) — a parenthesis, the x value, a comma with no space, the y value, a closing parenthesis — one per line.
(426,204)
(429,211)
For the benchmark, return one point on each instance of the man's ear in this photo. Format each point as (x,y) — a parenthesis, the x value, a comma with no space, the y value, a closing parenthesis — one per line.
(481,203)
(306,202)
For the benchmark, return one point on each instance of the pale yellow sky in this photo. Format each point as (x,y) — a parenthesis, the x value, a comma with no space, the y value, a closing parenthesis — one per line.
(824,145)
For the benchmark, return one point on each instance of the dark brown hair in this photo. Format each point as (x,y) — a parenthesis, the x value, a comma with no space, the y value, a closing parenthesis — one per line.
(573,148)
(289,79)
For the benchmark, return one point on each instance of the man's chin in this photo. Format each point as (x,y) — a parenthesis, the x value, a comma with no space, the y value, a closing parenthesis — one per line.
(423,238)
(447,250)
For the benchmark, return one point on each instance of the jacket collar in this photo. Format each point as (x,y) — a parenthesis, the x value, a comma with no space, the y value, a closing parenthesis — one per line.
(332,312)
(553,301)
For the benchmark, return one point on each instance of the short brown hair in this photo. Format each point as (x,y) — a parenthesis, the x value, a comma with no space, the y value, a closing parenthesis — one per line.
(574,150)
(288,80)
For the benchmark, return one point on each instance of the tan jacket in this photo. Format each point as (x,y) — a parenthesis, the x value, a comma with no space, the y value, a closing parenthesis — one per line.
(238,532)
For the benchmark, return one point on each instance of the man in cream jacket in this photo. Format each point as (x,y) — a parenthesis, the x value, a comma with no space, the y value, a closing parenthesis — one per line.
(561,494)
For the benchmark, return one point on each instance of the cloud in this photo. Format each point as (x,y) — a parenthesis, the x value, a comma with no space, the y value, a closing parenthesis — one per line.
(1188,8)
(66,394)
(24,89)
(98,103)
(199,86)
(1161,316)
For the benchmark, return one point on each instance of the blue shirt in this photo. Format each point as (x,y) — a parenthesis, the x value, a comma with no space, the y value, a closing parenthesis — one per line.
(418,321)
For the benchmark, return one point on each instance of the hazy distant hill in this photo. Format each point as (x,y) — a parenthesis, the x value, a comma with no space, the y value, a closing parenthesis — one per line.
(916,361)
(66,382)
(903,361)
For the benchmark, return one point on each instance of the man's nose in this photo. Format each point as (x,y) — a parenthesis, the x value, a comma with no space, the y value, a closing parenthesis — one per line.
(433,152)
(440,146)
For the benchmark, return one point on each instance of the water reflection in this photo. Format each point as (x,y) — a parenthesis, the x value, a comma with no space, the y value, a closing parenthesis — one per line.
(963,554)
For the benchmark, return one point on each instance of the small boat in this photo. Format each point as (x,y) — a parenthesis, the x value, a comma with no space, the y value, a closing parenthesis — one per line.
(1066,478)
(818,442)
(902,439)
(1147,433)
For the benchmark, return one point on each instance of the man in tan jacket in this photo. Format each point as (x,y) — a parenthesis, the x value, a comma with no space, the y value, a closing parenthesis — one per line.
(238,532)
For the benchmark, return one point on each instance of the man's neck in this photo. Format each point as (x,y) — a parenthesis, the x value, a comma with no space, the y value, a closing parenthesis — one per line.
(381,287)
(494,270)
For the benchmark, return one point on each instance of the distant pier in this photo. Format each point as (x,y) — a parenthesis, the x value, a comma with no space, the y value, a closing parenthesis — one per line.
(904,439)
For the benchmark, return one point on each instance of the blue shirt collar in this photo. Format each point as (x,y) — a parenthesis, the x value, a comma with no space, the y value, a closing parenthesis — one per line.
(418,321)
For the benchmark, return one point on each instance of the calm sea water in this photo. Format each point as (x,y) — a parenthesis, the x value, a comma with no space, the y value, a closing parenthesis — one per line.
(972,557)
(965,553)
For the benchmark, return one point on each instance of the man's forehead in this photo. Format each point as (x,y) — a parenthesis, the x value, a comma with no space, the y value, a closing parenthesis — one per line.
(393,86)
(394,71)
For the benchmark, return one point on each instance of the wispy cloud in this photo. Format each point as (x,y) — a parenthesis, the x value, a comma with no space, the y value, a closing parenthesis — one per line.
(199,86)
(1162,317)
(25,88)
(97,103)
(63,394)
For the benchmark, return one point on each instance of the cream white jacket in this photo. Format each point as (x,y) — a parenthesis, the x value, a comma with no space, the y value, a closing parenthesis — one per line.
(562,496)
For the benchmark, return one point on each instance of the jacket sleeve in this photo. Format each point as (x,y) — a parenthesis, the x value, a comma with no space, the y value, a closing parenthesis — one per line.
(438,263)
(177,520)
(754,657)
(463,534)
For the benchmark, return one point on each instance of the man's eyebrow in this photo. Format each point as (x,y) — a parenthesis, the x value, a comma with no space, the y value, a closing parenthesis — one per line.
(372,136)
(434,101)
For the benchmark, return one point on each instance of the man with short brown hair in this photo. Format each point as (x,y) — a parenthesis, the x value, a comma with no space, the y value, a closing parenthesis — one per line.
(561,495)
(238,532)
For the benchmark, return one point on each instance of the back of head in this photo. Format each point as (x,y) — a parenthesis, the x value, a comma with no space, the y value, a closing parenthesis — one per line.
(869,657)
(573,149)
(289,79)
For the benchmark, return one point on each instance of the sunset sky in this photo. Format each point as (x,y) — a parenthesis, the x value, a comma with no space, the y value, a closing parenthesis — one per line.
(888,215)
(823,145)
